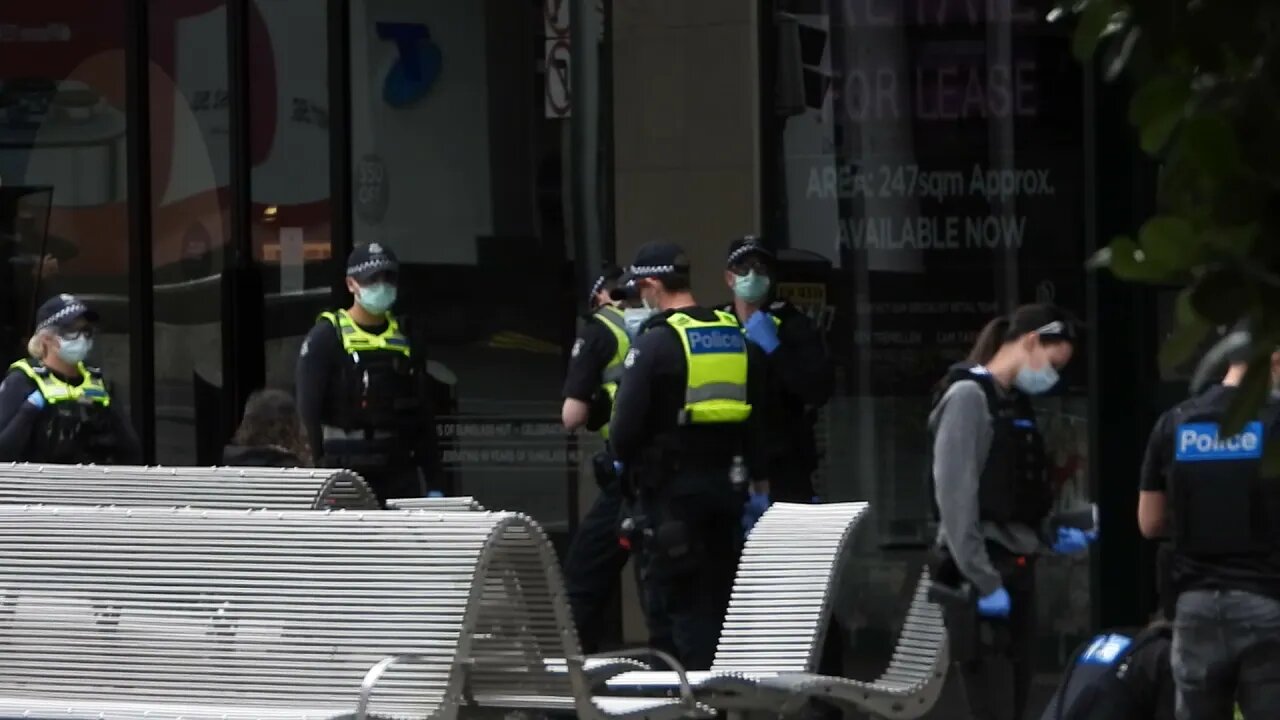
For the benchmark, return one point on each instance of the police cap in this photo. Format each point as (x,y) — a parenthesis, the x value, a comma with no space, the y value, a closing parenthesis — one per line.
(60,311)
(368,260)
(744,247)
(659,260)
(610,274)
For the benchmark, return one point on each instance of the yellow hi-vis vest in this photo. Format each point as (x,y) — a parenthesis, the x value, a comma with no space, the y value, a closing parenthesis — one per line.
(91,390)
(716,355)
(356,340)
(611,318)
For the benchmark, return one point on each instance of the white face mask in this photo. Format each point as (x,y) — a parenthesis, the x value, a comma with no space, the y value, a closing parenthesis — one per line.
(74,351)
(633,318)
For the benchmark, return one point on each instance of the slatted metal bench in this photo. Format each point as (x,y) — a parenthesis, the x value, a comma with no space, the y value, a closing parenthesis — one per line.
(436,504)
(288,615)
(777,617)
(209,487)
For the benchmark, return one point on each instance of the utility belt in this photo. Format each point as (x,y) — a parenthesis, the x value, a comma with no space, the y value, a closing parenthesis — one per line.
(365,448)
(970,635)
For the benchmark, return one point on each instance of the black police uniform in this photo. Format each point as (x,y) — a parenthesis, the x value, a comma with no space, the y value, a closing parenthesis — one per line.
(364,396)
(1015,497)
(799,381)
(681,472)
(595,557)
(1224,524)
(78,423)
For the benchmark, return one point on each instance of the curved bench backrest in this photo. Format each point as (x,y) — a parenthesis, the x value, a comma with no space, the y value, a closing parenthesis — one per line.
(779,607)
(216,487)
(199,613)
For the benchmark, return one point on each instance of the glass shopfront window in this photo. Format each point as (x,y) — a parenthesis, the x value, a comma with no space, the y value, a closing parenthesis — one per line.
(934,175)
(64,225)
(460,170)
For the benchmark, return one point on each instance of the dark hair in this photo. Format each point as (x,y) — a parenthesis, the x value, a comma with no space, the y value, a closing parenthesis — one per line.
(675,282)
(1061,327)
(271,419)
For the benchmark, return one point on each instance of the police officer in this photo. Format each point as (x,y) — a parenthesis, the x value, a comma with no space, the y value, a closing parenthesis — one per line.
(54,408)
(682,429)
(362,387)
(1208,494)
(799,376)
(596,557)
(993,497)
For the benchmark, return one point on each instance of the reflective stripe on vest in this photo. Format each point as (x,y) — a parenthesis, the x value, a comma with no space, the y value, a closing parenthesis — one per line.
(356,340)
(90,390)
(716,355)
(611,317)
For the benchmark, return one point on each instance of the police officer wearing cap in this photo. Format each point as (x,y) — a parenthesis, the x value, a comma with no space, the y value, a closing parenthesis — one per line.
(596,557)
(993,499)
(1208,493)
(800,378)
(362,386)
(682,428)
(54,408)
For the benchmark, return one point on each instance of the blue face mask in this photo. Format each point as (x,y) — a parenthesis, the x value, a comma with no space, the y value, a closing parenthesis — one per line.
(1035,381)
(74,352)
(377,298)
(751,287)
(633,318)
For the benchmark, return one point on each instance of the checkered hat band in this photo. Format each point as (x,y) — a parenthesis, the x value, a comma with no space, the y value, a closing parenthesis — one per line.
(66,313)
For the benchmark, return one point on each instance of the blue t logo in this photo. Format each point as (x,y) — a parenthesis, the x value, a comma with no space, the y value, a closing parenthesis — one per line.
(417,66)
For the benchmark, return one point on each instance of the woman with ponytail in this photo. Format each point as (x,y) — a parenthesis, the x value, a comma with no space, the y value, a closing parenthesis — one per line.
(992,494)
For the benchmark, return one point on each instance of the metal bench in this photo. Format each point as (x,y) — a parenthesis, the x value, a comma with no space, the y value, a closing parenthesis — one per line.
(233,615)
(778,614)
(436,504)
(208,487)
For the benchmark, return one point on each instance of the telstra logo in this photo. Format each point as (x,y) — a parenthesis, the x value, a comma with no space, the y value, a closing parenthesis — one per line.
(417,66)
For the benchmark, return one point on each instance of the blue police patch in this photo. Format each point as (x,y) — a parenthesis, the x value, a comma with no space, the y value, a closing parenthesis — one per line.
(1105,649)
(1199,442)
(715,340)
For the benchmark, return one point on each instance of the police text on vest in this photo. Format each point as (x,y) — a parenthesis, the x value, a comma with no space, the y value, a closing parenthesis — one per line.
(1199,442)
(715,340)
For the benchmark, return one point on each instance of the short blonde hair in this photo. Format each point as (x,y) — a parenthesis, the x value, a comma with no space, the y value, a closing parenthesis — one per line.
(38,345)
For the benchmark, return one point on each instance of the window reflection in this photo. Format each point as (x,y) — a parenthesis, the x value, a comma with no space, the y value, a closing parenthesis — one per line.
(63,215)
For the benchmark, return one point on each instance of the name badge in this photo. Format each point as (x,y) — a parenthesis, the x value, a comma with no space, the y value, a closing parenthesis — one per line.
(1201,442)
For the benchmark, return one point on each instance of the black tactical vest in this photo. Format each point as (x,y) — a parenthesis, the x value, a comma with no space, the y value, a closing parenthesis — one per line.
(74,429)
(375,402)
(1014,485)
(1221,505)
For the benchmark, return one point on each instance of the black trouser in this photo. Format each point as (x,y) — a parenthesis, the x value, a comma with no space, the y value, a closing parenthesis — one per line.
(998,680)
(593,566)
(689,564)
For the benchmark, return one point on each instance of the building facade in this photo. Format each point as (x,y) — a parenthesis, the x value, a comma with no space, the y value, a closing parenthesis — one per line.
(198,170)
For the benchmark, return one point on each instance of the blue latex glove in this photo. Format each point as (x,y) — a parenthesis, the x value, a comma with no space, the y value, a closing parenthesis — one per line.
(36,398)
(754,509)
(617,467)
(815,500)
(995,605)
(1073,540)
(762,332)
(435,493)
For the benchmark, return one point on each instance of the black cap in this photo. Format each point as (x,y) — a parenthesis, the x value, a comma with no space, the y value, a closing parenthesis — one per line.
(62,310)
(744,247)
(625,289)
(610,273)
(369,260)
(657,260)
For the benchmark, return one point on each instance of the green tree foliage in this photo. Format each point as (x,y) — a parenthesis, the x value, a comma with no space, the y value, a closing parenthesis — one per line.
(1206,106)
